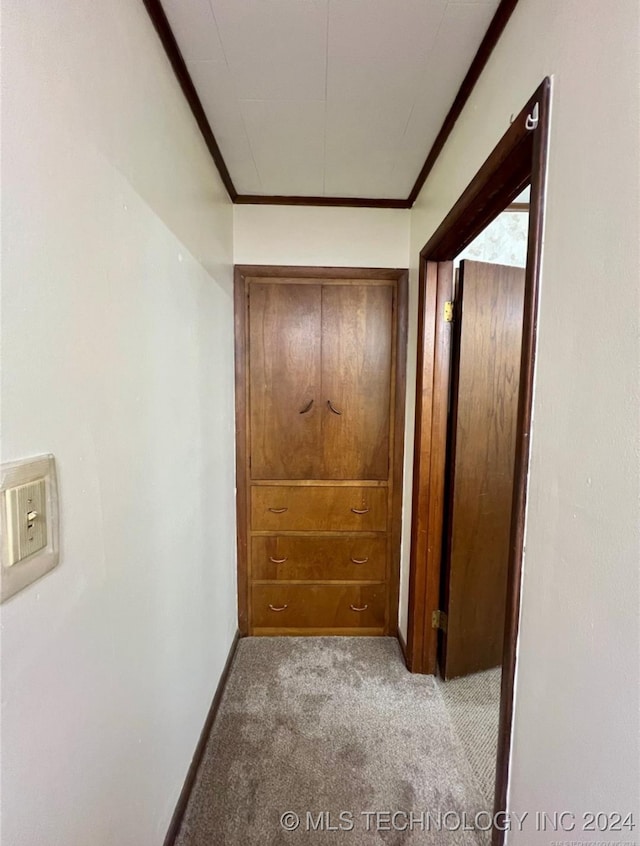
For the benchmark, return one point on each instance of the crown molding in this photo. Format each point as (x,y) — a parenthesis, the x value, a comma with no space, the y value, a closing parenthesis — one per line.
(491,38)
(354,202)
(167,38)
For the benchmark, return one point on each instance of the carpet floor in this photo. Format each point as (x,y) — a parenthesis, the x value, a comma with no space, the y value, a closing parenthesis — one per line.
(323,726)
(473,704)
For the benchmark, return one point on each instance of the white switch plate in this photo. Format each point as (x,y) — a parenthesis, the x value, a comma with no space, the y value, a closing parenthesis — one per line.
(28,522)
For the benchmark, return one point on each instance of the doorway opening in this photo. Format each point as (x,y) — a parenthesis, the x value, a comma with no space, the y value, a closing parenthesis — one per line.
(489,282)
(455,622)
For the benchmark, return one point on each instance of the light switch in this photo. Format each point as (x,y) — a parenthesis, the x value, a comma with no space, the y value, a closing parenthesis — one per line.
(29,522)
(26,520)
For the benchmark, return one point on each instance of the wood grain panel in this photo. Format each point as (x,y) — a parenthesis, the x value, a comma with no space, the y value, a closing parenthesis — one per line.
(318,558)
(484,415)
(318,606)
(325,274)
(284,373)
(294,631)
(357,338)
(304,527)
(289,508)
(434,353)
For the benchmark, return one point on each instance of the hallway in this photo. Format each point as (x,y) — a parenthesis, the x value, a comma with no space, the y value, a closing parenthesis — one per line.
(330,725)
(229,311)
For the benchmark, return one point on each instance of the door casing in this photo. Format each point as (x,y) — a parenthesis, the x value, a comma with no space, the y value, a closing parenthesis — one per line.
(519,159)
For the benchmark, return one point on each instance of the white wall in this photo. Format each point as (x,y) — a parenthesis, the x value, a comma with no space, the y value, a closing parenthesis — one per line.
(348,237)
(117,357)
(577,710)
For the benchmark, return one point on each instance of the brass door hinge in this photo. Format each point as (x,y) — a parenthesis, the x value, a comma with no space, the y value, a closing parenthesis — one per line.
(439,620)
(448,312)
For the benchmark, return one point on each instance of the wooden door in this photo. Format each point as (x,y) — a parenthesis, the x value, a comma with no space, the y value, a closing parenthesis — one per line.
(285,380)
(357,343)
(485,383)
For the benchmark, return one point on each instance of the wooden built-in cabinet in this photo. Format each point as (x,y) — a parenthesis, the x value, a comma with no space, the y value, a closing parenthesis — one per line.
(320,381)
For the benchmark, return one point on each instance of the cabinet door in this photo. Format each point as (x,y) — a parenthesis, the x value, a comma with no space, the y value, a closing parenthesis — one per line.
(284,374)
(357,336)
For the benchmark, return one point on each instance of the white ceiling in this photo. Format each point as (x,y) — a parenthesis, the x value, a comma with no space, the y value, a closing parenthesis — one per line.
(327,97)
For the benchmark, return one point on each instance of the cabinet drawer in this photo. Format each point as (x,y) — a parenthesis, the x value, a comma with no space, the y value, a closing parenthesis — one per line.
(289,558)
(318,606)
(318,509)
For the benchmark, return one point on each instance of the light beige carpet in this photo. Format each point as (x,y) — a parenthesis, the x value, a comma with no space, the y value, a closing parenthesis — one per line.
(323,726)
(473,704)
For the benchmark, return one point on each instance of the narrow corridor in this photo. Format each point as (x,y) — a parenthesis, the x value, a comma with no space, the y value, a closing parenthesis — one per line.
(320,727)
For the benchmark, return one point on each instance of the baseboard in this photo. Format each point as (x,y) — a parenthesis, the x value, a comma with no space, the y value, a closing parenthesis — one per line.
(187,787)
(403,646)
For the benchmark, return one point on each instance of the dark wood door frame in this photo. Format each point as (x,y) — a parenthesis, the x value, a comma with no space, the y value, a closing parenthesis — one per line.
(519,159)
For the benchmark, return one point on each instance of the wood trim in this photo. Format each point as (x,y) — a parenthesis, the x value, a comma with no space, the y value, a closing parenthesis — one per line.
(317,581)
(395,534)
(318,483)
(434,345)
(517,207)
(523,444)
(275,271)
(314,632)
(501,178)
(187,787)
(427,285)
(439,423)
(295,534)
(350,202)
(487,46)
(165,33)
(520,157)
(242,451)
(168,40)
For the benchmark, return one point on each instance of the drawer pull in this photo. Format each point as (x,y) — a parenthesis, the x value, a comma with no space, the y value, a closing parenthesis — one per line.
(281,608)
(277,560)
(360,510)
(278,510)
(359,560)
(331,408)
(355,608)
(307,407)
